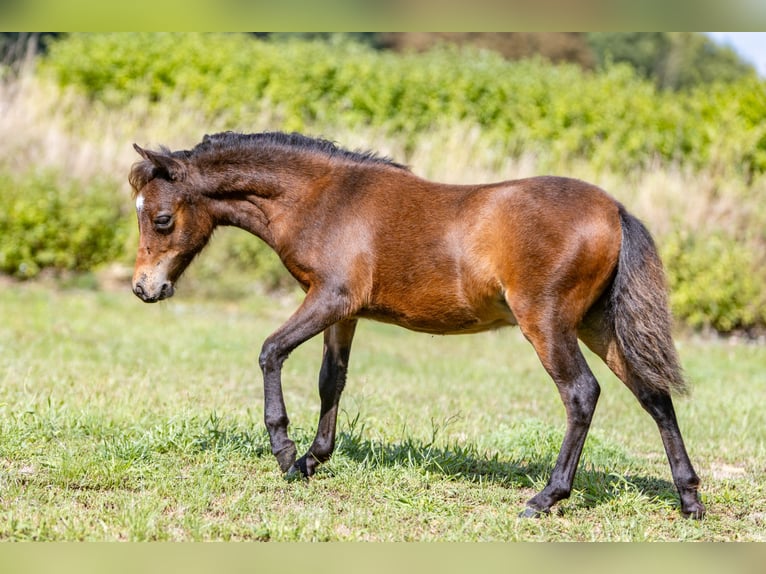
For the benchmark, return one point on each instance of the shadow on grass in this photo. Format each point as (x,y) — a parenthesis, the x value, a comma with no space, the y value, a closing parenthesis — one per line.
(531,471)
(532,449)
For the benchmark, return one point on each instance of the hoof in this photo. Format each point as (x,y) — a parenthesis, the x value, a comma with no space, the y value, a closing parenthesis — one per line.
(298,471)
(294,474)
(530,512)
(286,457)
(695,512)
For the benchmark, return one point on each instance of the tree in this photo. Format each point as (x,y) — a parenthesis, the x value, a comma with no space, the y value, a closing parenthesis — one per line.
(674,60)
(695,59)
(554,46)
(17,46)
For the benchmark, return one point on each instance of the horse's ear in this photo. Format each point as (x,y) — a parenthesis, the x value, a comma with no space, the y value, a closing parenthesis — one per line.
(170,166)
(140,151)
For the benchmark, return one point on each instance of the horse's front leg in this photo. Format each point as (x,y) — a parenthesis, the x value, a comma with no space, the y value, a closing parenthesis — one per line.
(332,380)
(318,311)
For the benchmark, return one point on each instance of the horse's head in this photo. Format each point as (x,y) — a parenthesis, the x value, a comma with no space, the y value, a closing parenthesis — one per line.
(172,220)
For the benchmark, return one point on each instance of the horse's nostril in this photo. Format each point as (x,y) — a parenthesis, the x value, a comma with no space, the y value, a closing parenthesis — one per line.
(139,291)
(166,290)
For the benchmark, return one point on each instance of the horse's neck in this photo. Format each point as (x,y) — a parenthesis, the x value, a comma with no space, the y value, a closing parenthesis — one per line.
(271,175)
(261,200)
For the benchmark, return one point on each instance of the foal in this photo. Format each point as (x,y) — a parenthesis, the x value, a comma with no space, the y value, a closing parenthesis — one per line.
(366,238)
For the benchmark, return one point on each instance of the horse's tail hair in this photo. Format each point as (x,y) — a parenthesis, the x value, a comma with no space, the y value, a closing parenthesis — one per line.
(640,311)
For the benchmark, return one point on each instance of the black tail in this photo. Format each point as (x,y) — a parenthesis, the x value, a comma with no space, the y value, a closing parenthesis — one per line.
(640,312)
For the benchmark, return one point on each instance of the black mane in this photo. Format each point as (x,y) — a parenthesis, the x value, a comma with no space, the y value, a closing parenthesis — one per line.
(238,141)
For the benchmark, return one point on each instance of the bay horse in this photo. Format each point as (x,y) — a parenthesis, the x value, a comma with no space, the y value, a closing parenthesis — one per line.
(367,238)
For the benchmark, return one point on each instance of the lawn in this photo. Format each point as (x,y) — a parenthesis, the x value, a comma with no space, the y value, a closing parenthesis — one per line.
(126,421)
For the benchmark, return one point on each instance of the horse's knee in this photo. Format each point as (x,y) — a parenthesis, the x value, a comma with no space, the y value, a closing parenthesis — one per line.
(265,359)
(580,398)
(659,404)
(577,386)
(271,357)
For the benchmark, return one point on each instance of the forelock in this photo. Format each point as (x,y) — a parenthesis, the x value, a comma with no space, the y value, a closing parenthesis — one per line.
(141,173)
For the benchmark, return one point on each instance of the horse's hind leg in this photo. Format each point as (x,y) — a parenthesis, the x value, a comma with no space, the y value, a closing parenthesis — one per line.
(560,354)
(599,336)
(660,406)
(332,380)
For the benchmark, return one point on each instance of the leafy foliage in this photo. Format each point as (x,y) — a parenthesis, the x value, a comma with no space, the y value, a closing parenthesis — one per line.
(674,60)
(715,281)
(555,112)
(44,224)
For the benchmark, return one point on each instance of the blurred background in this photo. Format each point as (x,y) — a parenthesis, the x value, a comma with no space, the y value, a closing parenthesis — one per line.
(671,123)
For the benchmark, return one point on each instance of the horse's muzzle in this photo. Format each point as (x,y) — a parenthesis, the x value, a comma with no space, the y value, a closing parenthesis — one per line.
(166,291)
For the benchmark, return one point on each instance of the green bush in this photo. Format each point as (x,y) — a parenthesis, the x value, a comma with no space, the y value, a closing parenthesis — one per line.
(715,281)
(613,118)
(49,224)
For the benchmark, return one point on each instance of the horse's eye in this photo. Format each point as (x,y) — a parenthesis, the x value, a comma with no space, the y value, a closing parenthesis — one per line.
(163,222)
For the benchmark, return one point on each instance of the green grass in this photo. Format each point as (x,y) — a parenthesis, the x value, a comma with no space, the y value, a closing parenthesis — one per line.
(125,421)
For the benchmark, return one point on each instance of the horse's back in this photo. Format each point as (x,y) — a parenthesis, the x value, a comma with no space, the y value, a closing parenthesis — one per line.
(470,258)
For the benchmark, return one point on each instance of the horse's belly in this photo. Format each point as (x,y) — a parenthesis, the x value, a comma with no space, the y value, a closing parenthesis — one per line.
(443,315)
